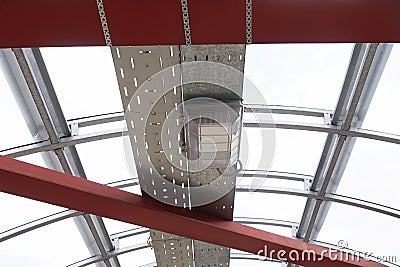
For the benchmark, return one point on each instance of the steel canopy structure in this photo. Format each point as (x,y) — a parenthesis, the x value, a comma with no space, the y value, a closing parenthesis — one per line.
(368,61)
(141,36)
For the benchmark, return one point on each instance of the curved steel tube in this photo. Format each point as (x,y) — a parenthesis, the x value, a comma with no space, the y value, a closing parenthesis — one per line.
(45,145)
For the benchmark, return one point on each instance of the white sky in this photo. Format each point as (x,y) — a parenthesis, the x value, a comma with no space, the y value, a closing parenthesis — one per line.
(291,75)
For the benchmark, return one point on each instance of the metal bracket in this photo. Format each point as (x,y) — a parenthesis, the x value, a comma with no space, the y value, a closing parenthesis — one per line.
(249,18)
(307,184)
(104,24)
(115,243)
(74,127)
(328,118)
(186,23)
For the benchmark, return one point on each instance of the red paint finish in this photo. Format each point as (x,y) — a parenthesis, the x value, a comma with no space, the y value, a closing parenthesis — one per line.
(287,21)
(36,23)
(26,180)
(32,23)
(217,22)
(143,22)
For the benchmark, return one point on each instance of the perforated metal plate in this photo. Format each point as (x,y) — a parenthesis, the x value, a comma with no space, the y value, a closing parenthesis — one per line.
(147,106)
(156,99)
(172,250)
(206,254)
(150,87)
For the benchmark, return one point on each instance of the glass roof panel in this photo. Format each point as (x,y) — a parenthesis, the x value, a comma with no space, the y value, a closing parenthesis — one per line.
(114,226)
(132,240)
(17,132)
(305,75)
(297,151)
(19,210)
(35,159)
(293,150)
(269,206)
(28,210)
(373,173)
(84,80)
(362,230)
(137,258)
(57,244)
(104,160)
(383,111)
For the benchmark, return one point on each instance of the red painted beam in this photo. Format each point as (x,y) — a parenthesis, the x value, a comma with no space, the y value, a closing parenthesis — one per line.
(56,188)
(34,23)
(76,23)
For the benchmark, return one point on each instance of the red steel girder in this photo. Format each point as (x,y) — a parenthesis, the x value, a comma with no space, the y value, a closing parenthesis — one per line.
(34,182)
(76,23)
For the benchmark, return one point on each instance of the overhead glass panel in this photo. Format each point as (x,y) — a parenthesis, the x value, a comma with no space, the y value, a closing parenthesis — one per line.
(298,151)
(384,109)
(84,80)
(104,161)
(14,131)
(57,244)
(269,206)
(137,258)
(292,151)
(19,210)
(35,159)
(114,226)
(362,230)
(136,239)
(373,173)
(305,75)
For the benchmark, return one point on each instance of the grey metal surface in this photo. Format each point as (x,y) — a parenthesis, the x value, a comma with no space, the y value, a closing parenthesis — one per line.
(172,250)
(145,131)
(228,55)
(148,79)
(365,69)
(31,85)
(206,254)
(209,254)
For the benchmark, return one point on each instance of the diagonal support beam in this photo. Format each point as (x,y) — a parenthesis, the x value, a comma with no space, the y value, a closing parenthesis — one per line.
(36,97)
(26,180)
(365,69)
